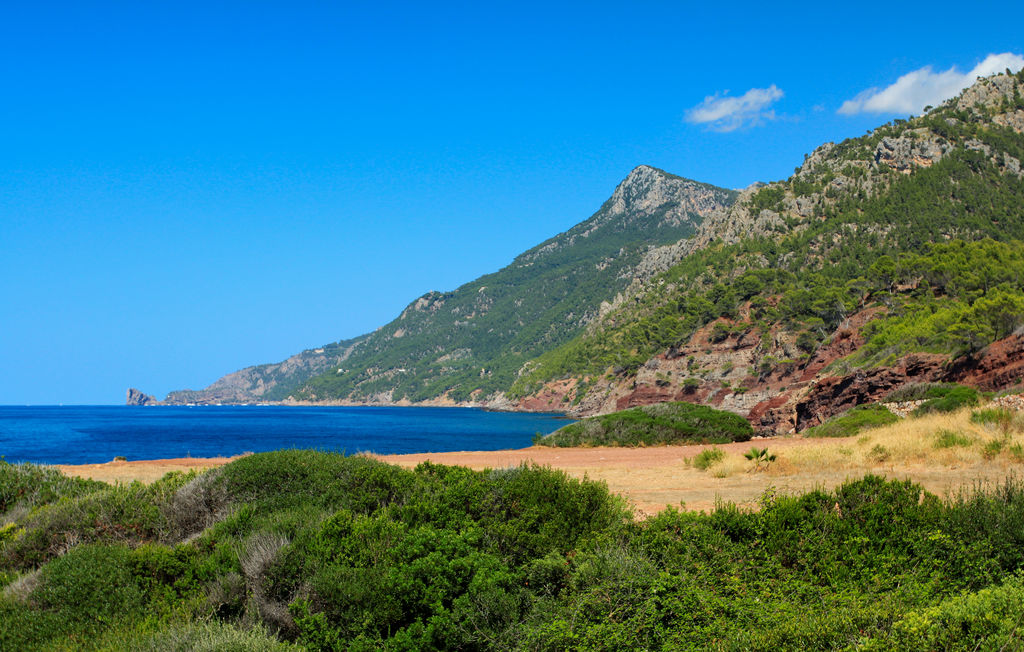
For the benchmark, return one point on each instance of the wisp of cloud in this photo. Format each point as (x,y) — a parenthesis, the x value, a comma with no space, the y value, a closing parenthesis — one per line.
(722,113)
(920,88)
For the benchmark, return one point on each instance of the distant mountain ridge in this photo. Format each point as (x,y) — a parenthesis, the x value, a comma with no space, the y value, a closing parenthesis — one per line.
(469,344)
(893,257)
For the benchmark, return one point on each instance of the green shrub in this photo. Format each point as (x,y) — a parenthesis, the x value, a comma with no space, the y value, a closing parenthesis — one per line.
(122,513)
(879,453)
(953,400)
(937,397)
(378,557)
(1017,452)
(663,423)
(993,416)
(708,458)
(852,421)
(31,485)
(919,392)
(1005,420)
(951,439)
(76,598)
(992,448)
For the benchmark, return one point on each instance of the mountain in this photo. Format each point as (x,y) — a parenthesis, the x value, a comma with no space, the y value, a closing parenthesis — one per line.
(885,259)
(470,344)
(891,258)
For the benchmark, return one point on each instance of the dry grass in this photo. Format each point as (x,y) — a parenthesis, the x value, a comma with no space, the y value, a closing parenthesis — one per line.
(937,440)
(943,452)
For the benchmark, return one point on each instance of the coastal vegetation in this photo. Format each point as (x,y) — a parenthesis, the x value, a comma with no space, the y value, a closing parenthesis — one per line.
(306,550)
(649,425)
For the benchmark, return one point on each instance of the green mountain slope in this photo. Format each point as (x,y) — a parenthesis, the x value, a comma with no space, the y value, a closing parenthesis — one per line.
(858,228)
(471,342)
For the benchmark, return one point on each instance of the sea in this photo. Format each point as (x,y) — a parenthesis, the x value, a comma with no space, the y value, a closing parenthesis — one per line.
(96,434)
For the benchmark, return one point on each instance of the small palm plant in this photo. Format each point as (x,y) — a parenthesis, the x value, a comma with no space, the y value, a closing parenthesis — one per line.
(760,457)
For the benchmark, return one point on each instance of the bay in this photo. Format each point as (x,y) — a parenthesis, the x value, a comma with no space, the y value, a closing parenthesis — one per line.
(95,434)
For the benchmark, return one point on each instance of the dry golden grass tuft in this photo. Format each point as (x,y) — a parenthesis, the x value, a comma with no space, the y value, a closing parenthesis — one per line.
(938,440)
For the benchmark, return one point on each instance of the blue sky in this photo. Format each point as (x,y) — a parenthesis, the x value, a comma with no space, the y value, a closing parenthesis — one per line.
(190,188)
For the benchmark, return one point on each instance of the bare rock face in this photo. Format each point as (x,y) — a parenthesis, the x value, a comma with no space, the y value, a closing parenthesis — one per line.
(647,190)
(918,148)
(135,397)
(1014,120)
(736,222)
(989,93)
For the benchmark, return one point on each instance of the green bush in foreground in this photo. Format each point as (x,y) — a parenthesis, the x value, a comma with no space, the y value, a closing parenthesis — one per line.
(322,552)
(663,423)
(989,619)
(852,421)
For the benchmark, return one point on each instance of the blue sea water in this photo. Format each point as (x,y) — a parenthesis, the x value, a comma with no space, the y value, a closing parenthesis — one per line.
(93,434)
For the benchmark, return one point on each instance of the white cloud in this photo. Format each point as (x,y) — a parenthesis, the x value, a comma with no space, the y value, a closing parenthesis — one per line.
(920,88)
(723,113)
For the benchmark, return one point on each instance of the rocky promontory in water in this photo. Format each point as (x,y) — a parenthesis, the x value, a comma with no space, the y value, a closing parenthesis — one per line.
(135,397)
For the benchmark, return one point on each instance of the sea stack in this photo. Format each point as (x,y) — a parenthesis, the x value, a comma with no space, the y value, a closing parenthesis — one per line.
(135,397)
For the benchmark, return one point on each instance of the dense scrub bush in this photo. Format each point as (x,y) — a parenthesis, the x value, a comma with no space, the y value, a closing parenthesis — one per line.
(372,556)
(30,485)
(989,619)
(940,397)
(78,597)
(852,421)
(113,514)
(662,423)
(919,392)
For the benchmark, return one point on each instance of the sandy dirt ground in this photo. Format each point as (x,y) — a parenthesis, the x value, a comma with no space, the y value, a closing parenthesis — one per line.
(141,470)
(648,478)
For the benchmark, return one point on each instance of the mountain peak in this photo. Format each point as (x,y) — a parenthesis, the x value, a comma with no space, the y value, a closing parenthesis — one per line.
(646,188)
